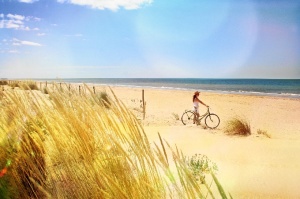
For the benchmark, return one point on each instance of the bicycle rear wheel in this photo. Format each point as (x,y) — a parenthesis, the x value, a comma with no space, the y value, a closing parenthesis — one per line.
(188,117)
(212,121)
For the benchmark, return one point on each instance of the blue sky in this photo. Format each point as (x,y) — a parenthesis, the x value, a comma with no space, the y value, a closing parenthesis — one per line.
(150,38)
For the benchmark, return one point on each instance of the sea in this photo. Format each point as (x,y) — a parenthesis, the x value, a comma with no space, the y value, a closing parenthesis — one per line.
(289,88)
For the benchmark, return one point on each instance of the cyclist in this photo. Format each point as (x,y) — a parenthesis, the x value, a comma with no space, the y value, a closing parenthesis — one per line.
(196,102)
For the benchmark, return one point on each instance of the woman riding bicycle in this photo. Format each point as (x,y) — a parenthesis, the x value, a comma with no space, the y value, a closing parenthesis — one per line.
(196,102)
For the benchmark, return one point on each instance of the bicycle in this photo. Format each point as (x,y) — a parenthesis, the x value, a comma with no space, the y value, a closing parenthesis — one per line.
(212,120)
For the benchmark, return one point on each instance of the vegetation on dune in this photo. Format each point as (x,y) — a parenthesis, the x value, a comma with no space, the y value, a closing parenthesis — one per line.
(200,165)
(14,84)
(24,85)
(3,82)
(29,85)
(104,98)
(238,126)
(263,132)
(176,116)
(67,145)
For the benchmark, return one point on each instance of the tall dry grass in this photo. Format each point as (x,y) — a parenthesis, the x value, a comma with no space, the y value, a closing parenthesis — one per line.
(238,126)
(263,132)
(66,145)
(3,82)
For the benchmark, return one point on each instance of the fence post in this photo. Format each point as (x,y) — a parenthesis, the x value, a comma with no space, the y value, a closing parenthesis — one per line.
(46,83)
(143,101)
(94,89)
(79,89)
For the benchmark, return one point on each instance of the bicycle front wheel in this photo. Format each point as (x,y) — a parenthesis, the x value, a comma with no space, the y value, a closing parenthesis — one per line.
(188,117)
(212,121)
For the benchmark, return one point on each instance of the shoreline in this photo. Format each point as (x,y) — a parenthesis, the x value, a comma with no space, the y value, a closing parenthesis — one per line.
(190,87)
(279,95)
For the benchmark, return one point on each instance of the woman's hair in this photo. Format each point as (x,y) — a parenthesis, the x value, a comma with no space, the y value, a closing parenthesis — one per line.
(195,95)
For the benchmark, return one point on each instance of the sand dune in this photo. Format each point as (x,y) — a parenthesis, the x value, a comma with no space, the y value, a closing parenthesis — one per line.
(249,167)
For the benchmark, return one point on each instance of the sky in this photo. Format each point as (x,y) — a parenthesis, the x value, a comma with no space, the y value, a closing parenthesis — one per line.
(150,39)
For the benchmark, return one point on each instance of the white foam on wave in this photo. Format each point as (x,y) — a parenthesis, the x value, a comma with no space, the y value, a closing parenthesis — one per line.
(240,92)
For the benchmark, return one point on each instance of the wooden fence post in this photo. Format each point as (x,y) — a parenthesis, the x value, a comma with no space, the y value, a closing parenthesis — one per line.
(94,89)
(46,83)
(79,89)
(143,101)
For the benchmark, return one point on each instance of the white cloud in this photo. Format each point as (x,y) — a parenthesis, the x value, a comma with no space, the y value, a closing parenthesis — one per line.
(29,43)
(109,4)
(16,17)
(17,42)
(27,1)
(2,24)
(14,21)
(11,24)
(31,18)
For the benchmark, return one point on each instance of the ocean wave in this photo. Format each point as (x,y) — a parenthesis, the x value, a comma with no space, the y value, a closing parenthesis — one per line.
(241,92)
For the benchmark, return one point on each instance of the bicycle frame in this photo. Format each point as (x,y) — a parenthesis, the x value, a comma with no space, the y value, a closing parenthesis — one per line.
(202,116)
(211,119)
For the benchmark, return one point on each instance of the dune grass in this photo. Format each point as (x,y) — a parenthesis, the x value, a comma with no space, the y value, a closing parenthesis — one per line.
(66,145)
(14,84)
(176,116)
(24,85)
(263,132)
(3,82)
(238,126)
(29,85)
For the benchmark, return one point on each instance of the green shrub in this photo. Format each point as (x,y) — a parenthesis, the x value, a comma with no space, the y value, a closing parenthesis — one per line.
(5,189)
(238,126)
(201,165)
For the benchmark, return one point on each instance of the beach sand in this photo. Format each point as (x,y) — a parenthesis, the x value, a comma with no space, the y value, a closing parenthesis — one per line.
(248,167)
